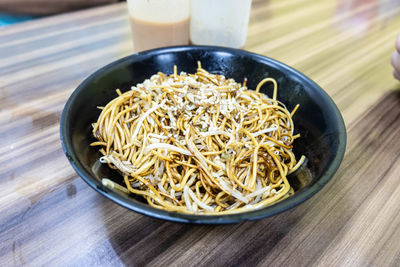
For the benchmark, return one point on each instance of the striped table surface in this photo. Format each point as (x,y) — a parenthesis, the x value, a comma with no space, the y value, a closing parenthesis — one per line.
(49,216)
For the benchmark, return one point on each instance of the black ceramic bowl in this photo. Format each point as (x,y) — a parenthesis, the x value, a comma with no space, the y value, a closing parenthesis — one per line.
(323,134)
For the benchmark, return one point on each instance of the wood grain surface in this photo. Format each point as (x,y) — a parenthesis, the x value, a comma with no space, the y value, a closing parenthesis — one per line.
(49,216)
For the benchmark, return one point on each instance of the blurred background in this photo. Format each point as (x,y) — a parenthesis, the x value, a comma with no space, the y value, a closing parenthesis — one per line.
(15,11)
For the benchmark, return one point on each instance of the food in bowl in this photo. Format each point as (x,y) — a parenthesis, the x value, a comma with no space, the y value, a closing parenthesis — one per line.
(199,143)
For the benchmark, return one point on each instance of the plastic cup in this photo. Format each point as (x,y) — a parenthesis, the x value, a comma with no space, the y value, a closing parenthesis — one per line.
(158,23)
(219,22)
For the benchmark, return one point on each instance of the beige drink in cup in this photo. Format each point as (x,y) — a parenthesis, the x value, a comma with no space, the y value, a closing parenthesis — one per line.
(158,23)
(219,22)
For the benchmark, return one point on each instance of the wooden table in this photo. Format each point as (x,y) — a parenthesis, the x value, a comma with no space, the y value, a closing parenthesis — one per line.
(49,216)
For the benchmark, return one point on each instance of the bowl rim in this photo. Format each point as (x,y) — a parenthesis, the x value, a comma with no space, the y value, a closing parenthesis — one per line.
(146,209)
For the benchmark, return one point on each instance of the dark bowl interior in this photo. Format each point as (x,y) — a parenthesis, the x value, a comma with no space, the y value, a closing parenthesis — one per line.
(323,134)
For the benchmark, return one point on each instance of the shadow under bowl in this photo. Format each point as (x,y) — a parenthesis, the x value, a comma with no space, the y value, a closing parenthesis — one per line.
(318,120)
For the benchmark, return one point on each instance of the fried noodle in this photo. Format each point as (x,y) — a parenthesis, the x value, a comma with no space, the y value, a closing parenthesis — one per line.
(199,143)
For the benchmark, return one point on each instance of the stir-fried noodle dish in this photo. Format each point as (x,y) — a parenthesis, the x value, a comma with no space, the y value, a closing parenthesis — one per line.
(199,143)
